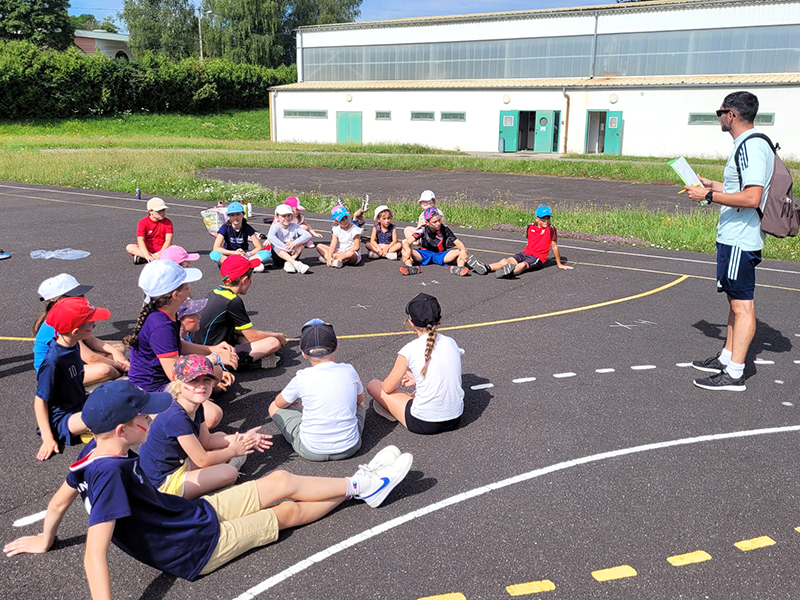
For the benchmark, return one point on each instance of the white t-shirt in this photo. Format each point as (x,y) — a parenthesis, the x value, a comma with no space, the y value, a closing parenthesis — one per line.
(346,237)
(439,396)
(329,391)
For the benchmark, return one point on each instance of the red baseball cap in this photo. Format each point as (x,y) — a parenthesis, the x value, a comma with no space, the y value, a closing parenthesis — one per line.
(71,313)
(237,265)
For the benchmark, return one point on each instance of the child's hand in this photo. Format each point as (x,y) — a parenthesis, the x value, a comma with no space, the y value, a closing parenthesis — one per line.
(565,267)
(316,235)
(263,441)
(289,246)
(47,449)
(226,381)
(241,252)
(150,257)
(330,262)
(242,445)
(408,380)
(29,544)
(226,356)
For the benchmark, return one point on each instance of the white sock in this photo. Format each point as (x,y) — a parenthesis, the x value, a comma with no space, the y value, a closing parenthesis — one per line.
(734,370)
(725,356)
(355,485)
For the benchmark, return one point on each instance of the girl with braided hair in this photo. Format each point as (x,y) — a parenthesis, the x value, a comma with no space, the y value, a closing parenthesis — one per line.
(432,362)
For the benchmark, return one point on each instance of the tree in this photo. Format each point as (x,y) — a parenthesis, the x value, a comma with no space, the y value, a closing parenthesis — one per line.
(314,12)
(42,22)
(167,27)
(89,22)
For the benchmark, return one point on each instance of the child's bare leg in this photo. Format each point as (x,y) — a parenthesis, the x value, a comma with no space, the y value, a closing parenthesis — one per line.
(501,263)
(294,514)
(264,347)
(456,255)
(212,413)
(133,250)
(410,255)
(200,482)
(282,484)
(323,250)
(521,266)
(408,232)
(395,402)
(376,248)
(395,247)
(94,373)
(348,257)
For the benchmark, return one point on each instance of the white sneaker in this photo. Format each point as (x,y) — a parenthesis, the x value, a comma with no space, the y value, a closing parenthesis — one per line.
(337,263)
(391,255)
(382,459)
(238,462)
(259,268)
(301,267)
(270,361)
(289,267)
(381,411)
(373,254)
(385,479)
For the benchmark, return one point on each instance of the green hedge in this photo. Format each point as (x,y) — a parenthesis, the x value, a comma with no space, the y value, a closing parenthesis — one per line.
(49,84)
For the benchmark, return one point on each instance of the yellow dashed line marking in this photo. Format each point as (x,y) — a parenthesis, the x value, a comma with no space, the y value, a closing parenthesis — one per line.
(532,587)
(619,572)
(455,596)
(755,543)
(680,560)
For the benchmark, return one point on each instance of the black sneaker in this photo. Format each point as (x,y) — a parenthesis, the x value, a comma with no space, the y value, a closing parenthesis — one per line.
(505,272)
(476,265)
(412,270)
(721,381)
(460,271)
(138,260)
(709,365)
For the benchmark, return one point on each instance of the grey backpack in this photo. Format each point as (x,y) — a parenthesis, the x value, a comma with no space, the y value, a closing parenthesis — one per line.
(780,215)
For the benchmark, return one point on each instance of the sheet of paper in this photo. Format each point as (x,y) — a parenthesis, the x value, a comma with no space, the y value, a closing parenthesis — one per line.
(684,171)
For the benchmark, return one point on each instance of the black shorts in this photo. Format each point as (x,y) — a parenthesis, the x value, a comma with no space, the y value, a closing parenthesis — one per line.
(528,259)
(736,271)
(277,261)
(415,425)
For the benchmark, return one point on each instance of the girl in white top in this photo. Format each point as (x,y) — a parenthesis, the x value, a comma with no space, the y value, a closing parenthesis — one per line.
(345,246)
(433,363)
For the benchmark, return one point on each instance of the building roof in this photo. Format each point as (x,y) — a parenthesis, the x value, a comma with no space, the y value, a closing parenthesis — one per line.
(648,5)
(574,82)
(102,35)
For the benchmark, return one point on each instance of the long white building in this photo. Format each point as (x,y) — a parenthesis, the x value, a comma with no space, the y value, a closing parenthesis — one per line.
(639,78)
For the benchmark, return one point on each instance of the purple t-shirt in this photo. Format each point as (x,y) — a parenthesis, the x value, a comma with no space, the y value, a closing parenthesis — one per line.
(162,453)
(158,338)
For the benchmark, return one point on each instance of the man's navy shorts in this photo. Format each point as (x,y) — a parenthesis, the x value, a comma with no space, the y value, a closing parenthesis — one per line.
(736,271)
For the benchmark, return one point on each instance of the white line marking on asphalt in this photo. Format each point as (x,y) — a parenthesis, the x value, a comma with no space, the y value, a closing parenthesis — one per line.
(563,375)
(682,365)
(779,381)
(393,523)
(787,403)
(523,380)
(642,367)
(604,370)
(797,362)
(482,386)
(761,361)
(30,519)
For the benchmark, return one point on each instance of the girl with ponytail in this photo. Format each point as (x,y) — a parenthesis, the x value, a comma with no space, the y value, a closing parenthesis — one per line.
(432,362)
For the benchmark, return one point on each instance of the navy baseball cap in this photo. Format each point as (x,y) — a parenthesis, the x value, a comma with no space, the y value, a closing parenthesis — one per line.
(543,211)
(117,402)
(318,339)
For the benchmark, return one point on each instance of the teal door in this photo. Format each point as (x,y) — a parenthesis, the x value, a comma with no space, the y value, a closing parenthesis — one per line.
(509,129)
(613,138)
(543,141)
(348,127)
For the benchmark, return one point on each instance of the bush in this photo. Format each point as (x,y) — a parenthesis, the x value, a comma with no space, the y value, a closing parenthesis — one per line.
(50,84)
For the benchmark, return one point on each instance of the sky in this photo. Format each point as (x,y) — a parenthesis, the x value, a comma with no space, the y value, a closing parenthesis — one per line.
(376,10)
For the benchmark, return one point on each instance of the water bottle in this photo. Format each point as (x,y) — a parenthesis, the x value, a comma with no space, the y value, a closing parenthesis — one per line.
(138,193)
(249,209)
(220,204)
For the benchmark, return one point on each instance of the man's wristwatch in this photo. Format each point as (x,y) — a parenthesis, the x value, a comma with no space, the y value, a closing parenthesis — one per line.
(710,196)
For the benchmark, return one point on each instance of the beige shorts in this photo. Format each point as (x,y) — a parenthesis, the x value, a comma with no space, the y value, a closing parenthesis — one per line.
(173,484)
(242,524)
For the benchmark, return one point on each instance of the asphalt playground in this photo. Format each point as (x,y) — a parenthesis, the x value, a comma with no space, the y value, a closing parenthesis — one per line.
(587,465)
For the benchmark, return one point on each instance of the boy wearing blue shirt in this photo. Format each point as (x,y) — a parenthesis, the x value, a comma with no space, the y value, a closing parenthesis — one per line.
(60,393)
(185,538)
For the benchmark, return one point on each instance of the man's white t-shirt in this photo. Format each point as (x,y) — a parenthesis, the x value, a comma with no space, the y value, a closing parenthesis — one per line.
(329,391)
(439,396)
(346,237)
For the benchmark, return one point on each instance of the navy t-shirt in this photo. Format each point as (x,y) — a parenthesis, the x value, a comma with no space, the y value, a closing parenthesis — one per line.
(159,337)
(236,239)
(166,532)
(59,382)
(162,454)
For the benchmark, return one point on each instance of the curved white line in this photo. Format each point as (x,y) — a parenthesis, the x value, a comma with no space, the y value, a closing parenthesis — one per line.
(378,529)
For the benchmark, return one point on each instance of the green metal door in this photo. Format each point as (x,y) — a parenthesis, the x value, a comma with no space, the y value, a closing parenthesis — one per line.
(509,130)
(348,127)
(543,141)
(613,138)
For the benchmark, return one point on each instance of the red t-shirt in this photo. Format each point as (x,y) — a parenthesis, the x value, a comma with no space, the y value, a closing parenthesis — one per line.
(539,240)
(153,232)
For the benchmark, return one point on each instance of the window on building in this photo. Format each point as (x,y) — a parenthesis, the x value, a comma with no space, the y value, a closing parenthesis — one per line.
(305,114)
(383,115)
(423,116)
(453,116)
(761,119)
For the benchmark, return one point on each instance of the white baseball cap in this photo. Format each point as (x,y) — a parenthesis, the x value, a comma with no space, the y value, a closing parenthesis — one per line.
(156,204)
(283,209)
(160,277)
(62,285)
(427,196)
(380,209)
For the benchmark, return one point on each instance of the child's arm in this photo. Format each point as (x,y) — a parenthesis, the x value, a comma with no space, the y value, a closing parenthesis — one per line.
(333,248)
(167,363)
(203,457)
(218,241)
(274,240)
(167,244)
(226,352)
(310,229)
(37,544)
(396,375)
(360,399)
(394,235)
(95,559)
(373,237)
(557,254)
(357,243)
(98,348)
(257,245)
(49,443)
(218,440)
(281,402)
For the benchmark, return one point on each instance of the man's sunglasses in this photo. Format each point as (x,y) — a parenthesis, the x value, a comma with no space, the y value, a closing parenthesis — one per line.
(722,111)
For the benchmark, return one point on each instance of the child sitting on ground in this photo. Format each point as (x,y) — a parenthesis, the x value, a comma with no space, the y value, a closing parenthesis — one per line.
(224,320)
(383,240)
(434,238)
(178,255)
(235,237)
(321,412)
(60,394)
(287,239)
(188,314)
(181,456)
(542,238)
(184,538)
(103,361)
(433,363)
(345,246)
(427,200)
(153,233)
(294,203)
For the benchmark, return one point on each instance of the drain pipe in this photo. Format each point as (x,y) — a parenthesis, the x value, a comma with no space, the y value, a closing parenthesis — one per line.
(594,47)
(566,119)
(273,122)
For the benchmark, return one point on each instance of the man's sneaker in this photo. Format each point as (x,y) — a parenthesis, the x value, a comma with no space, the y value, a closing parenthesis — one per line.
(391,255)
(270,361)
(412,270)
(259,268)
(721,381)
(505,272)
(382,459)
(138,260)
(476,265)
(373,255)
(337,263)
(385,479)
(381,411)
(709,365)
(460,271)
(289,267)
(301,267)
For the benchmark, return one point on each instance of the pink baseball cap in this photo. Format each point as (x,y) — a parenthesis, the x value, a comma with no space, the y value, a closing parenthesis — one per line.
(294,202)
(178,255)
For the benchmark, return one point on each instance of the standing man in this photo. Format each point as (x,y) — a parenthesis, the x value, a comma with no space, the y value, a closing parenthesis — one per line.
(739,237)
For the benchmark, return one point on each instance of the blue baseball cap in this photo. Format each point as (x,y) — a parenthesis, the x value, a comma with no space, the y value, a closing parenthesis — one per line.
(543,211)
(117,402)
(338,213)
(234,207)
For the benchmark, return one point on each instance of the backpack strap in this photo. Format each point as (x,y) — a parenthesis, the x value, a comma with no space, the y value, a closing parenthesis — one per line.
(773,147)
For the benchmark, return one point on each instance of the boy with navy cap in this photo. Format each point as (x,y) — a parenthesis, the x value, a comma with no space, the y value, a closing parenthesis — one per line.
(542,238)
(185,538)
